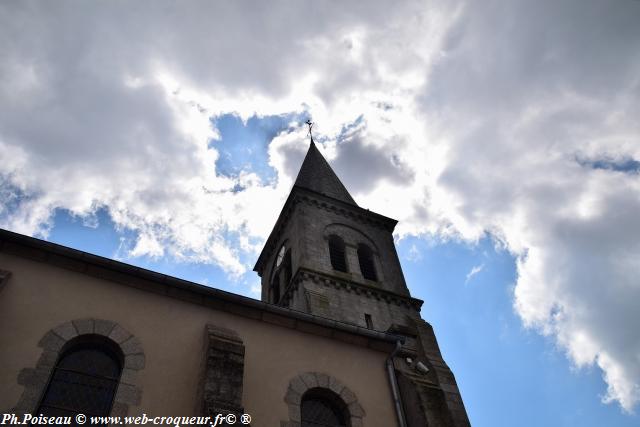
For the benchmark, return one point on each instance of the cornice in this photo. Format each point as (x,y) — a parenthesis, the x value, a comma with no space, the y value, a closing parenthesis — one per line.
(351,287)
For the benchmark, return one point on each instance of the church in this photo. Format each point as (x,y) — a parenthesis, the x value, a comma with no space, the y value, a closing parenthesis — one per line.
(336,340)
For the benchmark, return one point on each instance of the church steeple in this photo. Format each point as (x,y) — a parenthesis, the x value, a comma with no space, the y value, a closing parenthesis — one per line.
(322,235)
(330,258)
(316,175)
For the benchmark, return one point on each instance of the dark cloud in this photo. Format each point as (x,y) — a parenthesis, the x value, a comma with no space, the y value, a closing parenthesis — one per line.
(362,166)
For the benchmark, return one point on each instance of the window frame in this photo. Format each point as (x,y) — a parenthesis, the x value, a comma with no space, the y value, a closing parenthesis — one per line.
(89,341)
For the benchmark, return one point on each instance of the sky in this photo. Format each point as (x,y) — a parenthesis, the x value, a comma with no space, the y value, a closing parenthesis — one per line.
(503,135)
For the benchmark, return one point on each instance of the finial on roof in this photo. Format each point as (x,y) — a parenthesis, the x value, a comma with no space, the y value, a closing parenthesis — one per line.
(310,124)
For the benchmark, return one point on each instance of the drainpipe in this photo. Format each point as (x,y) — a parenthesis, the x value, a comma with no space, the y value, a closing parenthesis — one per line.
(394,385)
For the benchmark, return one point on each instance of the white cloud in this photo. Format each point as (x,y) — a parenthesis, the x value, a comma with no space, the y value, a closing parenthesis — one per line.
(474,270)
(414,254)
(473,118)
(147,245)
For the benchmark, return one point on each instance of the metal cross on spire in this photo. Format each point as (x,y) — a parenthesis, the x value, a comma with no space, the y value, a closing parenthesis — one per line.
(310,124)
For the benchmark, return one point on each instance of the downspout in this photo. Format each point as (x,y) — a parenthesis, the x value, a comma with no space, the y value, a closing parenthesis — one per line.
(394,385)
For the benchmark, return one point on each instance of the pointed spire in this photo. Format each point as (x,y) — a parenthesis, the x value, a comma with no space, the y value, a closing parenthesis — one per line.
(316,175)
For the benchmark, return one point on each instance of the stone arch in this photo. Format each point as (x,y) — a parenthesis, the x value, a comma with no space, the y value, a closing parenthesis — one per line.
(35,380)
(351,235)
(299,385)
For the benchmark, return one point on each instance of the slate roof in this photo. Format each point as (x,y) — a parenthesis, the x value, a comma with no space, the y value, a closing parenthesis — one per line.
(316,175)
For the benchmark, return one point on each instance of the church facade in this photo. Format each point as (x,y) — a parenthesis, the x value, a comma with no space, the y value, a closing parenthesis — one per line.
(337,339)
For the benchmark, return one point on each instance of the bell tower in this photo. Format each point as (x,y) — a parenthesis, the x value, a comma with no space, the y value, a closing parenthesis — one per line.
(328,257)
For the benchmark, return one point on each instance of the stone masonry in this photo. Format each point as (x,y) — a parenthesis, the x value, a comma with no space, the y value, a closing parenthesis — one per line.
(223,369)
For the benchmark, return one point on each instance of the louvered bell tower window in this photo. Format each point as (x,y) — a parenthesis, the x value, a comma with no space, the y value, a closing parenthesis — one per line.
(84,381)
(337,253)
(365,257)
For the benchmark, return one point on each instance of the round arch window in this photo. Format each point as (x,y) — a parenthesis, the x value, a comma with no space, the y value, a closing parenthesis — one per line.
(323,408)
(84,380)
(365,258)
(337,253)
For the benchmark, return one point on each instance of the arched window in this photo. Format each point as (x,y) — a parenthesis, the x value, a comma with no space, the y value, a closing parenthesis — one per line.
(365,257)
(84,379)
(323,408)
(286,268)
(281,275)
(275,288)
(337,253)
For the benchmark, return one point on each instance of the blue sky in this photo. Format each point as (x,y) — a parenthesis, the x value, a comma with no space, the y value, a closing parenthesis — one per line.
(250,155)
(126,133)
